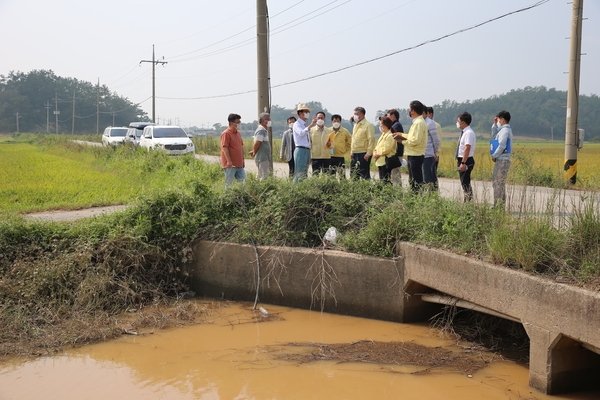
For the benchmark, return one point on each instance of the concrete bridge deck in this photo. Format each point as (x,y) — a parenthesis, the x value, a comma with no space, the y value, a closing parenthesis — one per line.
(562,321)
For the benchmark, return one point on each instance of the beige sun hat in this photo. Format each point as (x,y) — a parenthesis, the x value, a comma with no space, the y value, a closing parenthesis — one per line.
(301,107)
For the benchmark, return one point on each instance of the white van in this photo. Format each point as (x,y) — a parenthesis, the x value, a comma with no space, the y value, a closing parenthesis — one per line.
(134,133)
(171,139)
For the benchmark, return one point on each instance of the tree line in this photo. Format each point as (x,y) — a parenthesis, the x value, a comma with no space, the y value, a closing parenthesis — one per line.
(33,98)
(36,98)
(535,111)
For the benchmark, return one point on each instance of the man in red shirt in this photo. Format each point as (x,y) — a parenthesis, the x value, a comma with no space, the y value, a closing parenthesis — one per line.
(232,151)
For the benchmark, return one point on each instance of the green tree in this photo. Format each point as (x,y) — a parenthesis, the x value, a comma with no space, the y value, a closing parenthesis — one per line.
(31,93)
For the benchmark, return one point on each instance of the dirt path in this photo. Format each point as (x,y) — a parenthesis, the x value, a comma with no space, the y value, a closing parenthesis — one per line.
(63,216)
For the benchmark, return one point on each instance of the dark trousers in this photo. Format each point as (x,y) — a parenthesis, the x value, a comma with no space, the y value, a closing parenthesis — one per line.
(385,175)
(338,164)
(291,165)
(359,167)
(465,177)
(415,172)
(320,165)
(430,171)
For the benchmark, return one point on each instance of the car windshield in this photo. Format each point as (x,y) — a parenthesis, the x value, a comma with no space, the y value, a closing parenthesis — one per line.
(118,132)
(138,132)
(169,133)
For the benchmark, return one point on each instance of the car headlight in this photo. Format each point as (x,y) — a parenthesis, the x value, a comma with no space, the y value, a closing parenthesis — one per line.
(190,144)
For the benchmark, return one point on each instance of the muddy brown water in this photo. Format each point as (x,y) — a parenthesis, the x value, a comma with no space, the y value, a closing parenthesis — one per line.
(234,357)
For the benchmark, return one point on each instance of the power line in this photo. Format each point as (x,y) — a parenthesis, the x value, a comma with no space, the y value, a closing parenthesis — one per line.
(253,39)
(353,27)
(207,29)
(539,3)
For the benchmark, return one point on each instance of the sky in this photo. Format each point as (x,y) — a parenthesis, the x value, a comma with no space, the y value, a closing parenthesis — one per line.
(210,50)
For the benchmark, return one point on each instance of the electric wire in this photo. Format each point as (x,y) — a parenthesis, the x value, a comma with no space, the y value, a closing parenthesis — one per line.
(537,4)
(344,30)
(204,30)
(235,46)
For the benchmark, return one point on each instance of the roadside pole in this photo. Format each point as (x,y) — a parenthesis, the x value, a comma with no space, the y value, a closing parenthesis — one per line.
(572,133)
(262,59)
(154,63)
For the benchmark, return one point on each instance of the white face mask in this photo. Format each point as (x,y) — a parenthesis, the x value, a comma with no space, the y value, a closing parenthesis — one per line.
(307,115)
(336,125)
(269,124)
(356,119)
(239,126)
(320,122)
(499,123)
(381,129)
(291,125)
(458,124)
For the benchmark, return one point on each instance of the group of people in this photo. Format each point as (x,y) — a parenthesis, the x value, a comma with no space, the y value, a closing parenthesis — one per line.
(308,142)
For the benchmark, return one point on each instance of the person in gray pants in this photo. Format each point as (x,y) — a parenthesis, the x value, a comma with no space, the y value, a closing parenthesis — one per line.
(501,151)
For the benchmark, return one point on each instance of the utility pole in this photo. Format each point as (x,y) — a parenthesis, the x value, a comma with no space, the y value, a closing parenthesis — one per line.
(73,119)
(98,108)
(262,48)
(154,63)
(56,112)
(18,116)
(572,132)
(47,116)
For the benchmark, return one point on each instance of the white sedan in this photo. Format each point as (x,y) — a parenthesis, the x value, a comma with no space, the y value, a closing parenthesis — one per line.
(171,139)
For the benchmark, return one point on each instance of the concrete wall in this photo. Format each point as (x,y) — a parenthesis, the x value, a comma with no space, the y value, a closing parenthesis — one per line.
(353,284)
(558,318)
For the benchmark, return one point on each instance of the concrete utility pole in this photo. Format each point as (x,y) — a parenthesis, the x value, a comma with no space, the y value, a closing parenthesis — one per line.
(73,119)
(572,132)
(98,108)
(47,116)
(18,116)
(154,62)
(262,48)
(56,112)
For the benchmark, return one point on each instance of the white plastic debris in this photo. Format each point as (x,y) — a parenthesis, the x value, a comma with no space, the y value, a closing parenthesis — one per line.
(263,310)
(331,235)
(404,163)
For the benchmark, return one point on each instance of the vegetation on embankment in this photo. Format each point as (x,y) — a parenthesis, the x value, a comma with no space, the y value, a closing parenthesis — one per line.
(65,284)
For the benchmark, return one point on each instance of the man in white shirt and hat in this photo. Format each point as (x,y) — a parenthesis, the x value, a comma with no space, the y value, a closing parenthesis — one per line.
(302,140)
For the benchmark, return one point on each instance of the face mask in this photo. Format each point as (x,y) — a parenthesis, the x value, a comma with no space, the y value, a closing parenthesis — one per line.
(356,119)
(381,129)
(239,127)
(499,123)
(269,124)
(320,122)
(458,124)
(336,125)
(307,115)
(291,125)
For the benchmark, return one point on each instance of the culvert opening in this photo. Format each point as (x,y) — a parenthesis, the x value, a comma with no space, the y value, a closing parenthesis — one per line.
(485,328)
(492,333)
